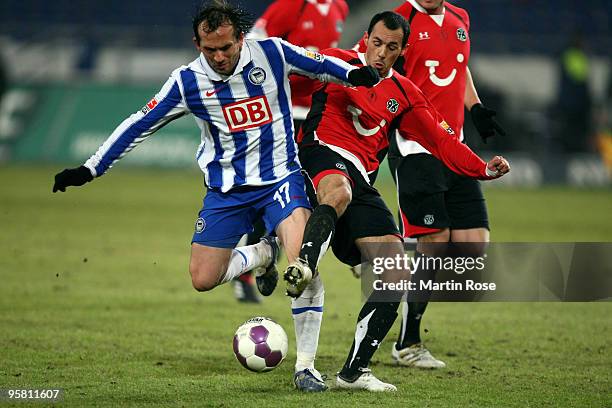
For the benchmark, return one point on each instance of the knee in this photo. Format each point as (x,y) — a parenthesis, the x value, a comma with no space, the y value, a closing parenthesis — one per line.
(435,244)
(201,280)
(337,194)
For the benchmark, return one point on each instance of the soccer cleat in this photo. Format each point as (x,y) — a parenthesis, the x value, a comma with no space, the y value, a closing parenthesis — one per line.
(417,356)
(267,278)
(297,276)
(309,380)
(366,381)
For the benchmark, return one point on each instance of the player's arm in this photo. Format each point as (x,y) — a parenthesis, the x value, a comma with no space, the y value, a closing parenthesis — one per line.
(424,125)
(483,117)
(166,106)
(326,68)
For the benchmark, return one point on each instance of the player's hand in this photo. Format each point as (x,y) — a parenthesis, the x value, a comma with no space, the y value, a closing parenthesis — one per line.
(71,177)
(364,76)
(484,120)
(497,167)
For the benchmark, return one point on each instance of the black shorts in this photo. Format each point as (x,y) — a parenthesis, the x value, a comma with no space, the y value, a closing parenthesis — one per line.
(432,197)
(367,214)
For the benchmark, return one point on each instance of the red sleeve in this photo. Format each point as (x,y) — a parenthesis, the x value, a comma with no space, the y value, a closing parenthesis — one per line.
(425,125)
(404,9)
(280,17)
(467,20)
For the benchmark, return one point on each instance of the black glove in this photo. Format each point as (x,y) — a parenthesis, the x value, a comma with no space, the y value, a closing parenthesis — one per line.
(484,122)
(71,177)
(364,76)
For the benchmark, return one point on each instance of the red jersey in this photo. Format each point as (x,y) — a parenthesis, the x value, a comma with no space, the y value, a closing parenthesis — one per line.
(312,24)
(437,55)
(355,121)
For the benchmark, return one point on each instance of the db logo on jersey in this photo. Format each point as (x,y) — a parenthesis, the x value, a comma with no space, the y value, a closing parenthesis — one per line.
(247,114)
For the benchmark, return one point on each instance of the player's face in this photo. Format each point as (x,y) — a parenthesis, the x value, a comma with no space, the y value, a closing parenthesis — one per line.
(220,48)
(432,6)
(384,46)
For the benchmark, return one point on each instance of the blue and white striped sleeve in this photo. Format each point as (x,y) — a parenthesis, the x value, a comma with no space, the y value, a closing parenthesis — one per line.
(166,106)
(325,68)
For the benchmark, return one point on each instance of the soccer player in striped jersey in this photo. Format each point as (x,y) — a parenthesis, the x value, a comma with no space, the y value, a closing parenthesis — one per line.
(238,92)
(341,144)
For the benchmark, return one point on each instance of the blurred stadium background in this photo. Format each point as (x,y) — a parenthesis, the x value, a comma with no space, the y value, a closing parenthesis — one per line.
(74,69)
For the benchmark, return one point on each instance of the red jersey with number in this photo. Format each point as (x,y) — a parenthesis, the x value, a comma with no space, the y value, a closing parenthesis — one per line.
(312,24)
(437,55)
(355,121)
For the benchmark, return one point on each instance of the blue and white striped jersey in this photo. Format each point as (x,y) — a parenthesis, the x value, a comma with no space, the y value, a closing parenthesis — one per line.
(245,119)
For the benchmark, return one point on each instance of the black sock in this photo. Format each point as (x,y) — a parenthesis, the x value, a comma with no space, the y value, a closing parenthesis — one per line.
(417,303)
(374,322)
(317,234)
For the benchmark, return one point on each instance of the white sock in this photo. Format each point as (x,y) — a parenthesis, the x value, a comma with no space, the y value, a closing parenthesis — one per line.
(247,258)
(307,313)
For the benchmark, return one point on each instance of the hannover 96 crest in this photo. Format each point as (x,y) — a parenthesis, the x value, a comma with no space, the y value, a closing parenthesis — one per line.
(461,35)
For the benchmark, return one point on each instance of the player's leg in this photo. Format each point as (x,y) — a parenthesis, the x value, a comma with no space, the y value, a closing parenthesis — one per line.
(221,222)
(367,231)
(333,196)
(288,220)
(331,192)
(421,194)
(375,319)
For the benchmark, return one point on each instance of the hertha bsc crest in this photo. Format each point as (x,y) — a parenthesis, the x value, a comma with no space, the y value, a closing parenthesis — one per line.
(200,225)
(257,75)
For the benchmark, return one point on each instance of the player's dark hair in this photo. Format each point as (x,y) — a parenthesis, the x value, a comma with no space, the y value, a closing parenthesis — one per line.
(392,21)
(219,12)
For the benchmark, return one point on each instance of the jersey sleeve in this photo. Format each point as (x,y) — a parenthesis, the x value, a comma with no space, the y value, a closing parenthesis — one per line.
(425,125)
(314,65)
(278,20)
(165,106)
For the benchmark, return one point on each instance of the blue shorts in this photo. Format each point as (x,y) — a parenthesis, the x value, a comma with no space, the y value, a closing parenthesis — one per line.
(226,217)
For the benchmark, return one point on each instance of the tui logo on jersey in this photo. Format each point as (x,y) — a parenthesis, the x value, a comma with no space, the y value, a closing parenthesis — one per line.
(314,55)
(461,35)
(447,127)
(247,114)
(392,105)
(200,225)
(257,75)
(149,106)
(355,112)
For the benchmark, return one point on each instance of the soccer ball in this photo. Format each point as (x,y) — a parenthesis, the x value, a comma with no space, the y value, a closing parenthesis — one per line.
(260,344)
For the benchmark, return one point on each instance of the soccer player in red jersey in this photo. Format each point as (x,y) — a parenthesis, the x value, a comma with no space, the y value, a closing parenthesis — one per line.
(437,206)
(340,144)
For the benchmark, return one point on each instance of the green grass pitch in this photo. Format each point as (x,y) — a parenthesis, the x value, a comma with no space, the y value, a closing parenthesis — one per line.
(95,298)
